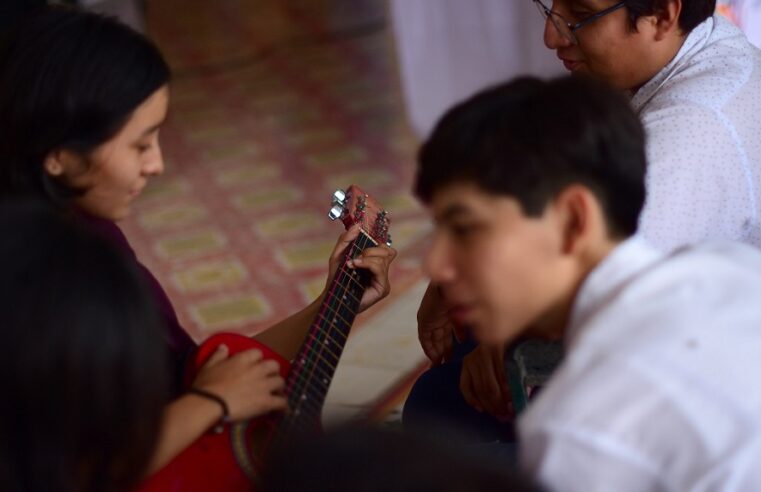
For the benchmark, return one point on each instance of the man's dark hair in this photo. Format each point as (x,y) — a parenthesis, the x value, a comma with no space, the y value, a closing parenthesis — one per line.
(84,368)
(69,79)
(693,11)
(529,139)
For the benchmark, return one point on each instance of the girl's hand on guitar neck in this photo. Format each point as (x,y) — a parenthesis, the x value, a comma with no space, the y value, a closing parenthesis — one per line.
(249,385)
(376,260)
(287,336)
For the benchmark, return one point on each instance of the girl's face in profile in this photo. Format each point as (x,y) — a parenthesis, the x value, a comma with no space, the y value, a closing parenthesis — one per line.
(116,172)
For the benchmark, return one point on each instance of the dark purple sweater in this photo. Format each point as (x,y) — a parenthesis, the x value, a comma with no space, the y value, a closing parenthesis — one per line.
(179,344)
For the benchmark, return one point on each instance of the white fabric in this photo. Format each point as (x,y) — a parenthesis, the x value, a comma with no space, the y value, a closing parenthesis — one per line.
(750,20)
(702,114)
(660,387)
(450,49)
(746,14)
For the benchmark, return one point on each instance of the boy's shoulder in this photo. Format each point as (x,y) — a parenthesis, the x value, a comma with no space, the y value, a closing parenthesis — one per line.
(676,350)
(723,67)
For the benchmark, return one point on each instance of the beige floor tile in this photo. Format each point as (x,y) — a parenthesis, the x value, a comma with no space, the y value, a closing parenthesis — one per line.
(379,354)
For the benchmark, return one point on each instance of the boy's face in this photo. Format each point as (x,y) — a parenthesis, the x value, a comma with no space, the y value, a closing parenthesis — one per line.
(503,273)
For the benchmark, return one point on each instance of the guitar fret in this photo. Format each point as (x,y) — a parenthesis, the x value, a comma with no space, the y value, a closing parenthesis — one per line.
(304,364)
(342,298)
(325,343)
(345,308)
(315,395)
(343,313)
(321,356)
(318,357)
(304,408)
(337,317)
(320,381)
(314,356)
(351,294)
(323,338)
(327,321)
(351,273)
(302,397)
(336,296)
(312,360)
(308,401)
(316,363)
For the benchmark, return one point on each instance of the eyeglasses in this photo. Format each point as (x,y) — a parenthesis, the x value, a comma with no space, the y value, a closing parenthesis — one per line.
(567,29)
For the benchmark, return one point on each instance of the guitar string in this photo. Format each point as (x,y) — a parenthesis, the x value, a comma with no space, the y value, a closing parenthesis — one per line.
(322,322)
(313,355)
(331,309)
(301,397)
(316,328)
(316,406)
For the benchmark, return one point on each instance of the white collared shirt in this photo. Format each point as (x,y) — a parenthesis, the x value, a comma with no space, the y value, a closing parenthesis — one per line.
(661,385)
(702,115)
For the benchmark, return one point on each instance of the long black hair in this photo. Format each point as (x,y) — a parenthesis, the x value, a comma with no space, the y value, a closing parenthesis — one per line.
(84,369)
(69,79)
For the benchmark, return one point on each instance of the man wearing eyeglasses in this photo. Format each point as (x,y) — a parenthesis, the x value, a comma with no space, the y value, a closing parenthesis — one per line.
(695,82)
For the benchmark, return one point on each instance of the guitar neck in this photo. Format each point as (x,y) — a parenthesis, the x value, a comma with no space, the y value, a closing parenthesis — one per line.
(313,368)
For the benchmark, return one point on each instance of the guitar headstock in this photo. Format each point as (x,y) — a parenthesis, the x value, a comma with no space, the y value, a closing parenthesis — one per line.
(354,205)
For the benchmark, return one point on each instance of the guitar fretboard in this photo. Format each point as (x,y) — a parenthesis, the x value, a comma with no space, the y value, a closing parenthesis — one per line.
(313,368)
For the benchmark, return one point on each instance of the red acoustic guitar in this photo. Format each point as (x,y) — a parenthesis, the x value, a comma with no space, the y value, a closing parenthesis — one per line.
(227,459)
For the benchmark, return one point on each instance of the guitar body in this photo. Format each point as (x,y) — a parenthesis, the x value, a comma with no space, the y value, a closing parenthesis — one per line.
(229,460)
(210,463)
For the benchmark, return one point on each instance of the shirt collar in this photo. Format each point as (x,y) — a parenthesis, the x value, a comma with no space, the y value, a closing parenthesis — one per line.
(607,279)
(695,42)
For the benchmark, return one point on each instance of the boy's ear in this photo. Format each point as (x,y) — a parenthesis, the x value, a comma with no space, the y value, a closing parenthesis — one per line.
(666,19)
(575,208)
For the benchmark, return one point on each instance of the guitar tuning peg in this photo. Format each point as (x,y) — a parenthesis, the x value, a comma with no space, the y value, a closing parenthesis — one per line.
(336,211)
(338,208)
(388,240)
(339,197)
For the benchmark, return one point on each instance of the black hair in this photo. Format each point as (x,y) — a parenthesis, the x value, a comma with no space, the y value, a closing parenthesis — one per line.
(84,365)
(69,79)
(529,139)
(693,11)
(13,10)
(366,459)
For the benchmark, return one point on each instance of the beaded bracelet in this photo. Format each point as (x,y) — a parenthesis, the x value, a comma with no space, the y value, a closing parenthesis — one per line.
(220,426)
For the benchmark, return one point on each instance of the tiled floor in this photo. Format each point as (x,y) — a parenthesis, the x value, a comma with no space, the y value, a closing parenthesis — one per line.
(275,103)
(370,380)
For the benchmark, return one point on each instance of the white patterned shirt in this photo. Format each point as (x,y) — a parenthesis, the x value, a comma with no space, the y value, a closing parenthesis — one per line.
(702,115)
(659,390)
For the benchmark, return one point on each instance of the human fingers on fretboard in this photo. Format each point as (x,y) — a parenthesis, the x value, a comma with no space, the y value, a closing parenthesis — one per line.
(345,240)
(384,253)
(377,261)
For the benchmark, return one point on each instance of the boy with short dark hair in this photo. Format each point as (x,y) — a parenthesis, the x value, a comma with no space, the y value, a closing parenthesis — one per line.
(536,188)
